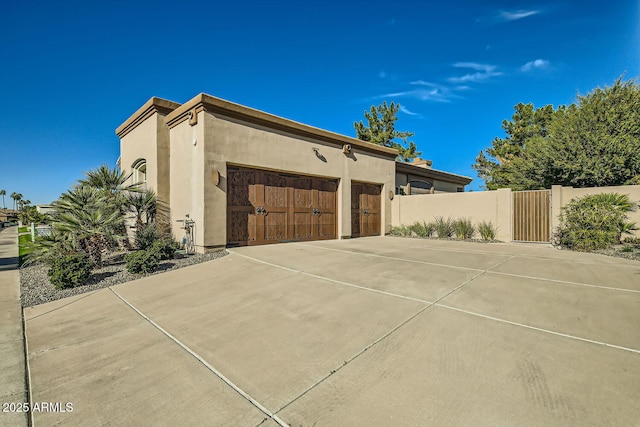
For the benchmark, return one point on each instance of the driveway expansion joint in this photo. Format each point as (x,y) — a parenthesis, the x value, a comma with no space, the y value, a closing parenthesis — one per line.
(200,359)
(509,257)
(437,302)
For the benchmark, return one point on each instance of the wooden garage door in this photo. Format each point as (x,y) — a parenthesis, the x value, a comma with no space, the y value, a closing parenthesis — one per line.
(365,209)
(270,207)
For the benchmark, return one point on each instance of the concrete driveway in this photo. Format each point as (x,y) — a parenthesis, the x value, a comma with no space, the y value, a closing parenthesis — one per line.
(376,331)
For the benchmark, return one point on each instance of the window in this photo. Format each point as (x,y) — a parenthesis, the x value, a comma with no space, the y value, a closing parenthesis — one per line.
(140,173)
(460,189)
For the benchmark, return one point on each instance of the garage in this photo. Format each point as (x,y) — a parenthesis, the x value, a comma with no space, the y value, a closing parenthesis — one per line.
(365,209)
(247,177)
(271,207)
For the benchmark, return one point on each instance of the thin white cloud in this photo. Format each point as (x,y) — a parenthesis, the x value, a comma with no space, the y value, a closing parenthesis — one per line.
(406,111)
(436,94)
(447,92)
(538,64)
(483,72)
(516,14)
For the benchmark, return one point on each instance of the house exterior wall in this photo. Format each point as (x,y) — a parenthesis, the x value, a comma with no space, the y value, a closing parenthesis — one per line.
(145,135)
(222,141)
(187,178)
(439,185)
(445,187)
(142,143)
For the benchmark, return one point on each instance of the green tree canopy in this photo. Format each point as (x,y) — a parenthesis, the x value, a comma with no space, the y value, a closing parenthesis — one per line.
(380,129)
(594,142)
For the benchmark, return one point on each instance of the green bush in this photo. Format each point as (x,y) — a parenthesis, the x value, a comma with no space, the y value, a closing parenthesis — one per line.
(594,222)
(142,262)
(165,248)
(401,231)
(422,229)
(463,228)
(633,241)
(146,236)
(69,271)
(487,230)
(443,227)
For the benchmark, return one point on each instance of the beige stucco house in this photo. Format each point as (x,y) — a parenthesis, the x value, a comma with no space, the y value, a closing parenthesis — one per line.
(248,177)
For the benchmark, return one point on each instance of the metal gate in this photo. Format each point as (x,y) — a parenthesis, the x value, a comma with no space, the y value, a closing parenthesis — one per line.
(531,216)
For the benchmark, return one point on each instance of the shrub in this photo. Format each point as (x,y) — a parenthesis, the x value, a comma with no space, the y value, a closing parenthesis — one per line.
(594,222)
(422,229)
(633,241)
(142,261)
(401,230)
(147,235)
(165,248)
(463,228)
(69,271)
(487,230)
(443,227)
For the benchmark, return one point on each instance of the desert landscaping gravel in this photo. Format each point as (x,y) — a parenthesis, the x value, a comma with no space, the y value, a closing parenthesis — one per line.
(36,289)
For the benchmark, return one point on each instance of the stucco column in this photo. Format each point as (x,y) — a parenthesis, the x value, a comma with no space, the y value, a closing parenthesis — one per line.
(344,207)
(395,211)
(556,206)
(504,214)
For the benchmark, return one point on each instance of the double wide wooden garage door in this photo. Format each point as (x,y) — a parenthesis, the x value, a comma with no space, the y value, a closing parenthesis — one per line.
(270,207)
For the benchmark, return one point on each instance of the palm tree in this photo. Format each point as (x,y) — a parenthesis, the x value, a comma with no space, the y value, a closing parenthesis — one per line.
(143,205)
(113,180)
(86,217)
(16,199)
(3,193)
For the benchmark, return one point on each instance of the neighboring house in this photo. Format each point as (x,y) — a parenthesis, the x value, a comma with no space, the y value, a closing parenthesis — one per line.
(7,215)
(45,209)
(418,177)
(248,177)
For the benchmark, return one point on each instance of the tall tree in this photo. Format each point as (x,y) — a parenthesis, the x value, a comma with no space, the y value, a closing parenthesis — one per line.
(16,198)
(495,164)
(3,193)
(594,142)
(380,129)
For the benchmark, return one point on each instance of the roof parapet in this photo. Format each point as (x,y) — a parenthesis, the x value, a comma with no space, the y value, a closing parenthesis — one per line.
(152,106)
(204,102)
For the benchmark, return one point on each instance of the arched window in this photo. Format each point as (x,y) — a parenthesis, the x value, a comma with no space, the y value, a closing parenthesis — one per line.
(140,173)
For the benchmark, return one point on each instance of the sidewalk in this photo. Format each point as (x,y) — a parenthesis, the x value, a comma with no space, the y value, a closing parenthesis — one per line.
(12,369)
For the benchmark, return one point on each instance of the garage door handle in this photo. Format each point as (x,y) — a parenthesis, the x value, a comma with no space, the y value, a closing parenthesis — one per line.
(316,211)
(366,212)
(261,210)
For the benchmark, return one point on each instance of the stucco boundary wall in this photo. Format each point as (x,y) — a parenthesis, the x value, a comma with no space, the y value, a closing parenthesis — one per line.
(494,206)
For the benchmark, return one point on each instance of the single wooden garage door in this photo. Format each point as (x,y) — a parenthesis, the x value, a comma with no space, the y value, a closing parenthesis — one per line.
(365,209)
(270,207)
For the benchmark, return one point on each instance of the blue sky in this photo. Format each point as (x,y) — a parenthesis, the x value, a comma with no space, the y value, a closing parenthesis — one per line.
(73,71)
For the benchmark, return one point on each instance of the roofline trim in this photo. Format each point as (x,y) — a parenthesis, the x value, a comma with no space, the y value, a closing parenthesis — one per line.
(152,106)
(433,173)
(204,102)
